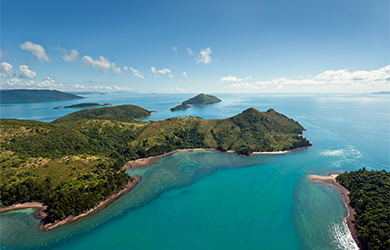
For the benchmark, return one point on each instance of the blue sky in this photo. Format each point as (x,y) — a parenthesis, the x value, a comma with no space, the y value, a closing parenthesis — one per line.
(196,46)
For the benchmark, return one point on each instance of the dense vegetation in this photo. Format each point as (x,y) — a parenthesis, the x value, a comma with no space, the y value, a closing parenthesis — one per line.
(27,95)
(201,99)
(119,113)
(370,196)
(84,105)
(79,155)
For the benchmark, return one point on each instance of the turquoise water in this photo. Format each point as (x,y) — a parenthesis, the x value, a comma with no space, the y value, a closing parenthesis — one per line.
(210,200)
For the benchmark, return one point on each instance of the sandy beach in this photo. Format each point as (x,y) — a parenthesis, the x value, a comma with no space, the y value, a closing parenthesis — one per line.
(145,162)
(331,179)
(38,205)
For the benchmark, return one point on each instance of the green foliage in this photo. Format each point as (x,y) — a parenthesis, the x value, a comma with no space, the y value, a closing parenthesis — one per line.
(84,105)
(370,196)
(27,95)
(201,99)
(119,113)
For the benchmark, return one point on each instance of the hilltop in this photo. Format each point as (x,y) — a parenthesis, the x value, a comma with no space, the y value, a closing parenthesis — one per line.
(34,95)
(74,162)
(201,99)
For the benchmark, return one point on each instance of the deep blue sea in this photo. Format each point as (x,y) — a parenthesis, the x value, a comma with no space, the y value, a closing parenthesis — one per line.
(209,200)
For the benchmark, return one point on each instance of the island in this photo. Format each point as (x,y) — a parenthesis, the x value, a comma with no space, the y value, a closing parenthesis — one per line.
(199,100)
(84,105)
(381,93)
(35,95)
(74,166)
(367,196)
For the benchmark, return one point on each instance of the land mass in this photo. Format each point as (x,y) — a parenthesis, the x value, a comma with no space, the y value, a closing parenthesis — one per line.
(367,196)
(199,100)
(381,93)
(76,161)
(27,95)
(84,105)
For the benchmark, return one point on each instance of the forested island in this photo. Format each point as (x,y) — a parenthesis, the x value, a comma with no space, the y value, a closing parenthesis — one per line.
(199,100)
(370,197)
(34,95)
(75,162)
(84,105)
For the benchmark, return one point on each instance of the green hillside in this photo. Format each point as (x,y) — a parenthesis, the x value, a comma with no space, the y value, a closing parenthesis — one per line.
(118,113)
(201,99)
(78,156)
(27,95)
(370,196)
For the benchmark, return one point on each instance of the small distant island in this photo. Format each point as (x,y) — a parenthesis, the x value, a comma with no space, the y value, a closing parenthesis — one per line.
(381,93)
(84,105)
(34,95)
(199,100)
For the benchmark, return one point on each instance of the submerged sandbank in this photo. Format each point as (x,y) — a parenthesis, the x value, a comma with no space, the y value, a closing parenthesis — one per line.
(350,219)
(145,162)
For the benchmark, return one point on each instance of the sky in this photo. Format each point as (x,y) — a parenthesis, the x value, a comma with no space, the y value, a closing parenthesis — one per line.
(261,46)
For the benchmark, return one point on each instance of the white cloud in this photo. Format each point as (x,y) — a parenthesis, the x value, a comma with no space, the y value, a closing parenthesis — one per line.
(190,52)
(174,49)
(102,64)
(230,79)
(70,57)
(156,76)
(19,83)
(185,74)
(171,76)
(51,84)
(125,68)
(177,89)
(382,74)
(26,73)
(248,78)
(162,71)
(243,85)
(36,49)
(3,53)
(6,70)
(137,73)
(204,56)
(49,78)
(328,81)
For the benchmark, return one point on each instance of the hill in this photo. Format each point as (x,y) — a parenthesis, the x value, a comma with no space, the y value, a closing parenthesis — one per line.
(370,197)
(35,95)
(124,113)
(84,105)
(73,162)
(201,99)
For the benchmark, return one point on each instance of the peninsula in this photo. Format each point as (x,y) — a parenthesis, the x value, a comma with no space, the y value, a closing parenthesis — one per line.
(84,105)
(75,162)
(367,196)
(199,100)
(34,95)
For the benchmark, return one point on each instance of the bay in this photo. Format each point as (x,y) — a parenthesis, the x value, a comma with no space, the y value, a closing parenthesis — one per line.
(210,200)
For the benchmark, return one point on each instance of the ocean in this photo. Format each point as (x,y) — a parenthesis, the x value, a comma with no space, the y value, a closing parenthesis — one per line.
(211,200)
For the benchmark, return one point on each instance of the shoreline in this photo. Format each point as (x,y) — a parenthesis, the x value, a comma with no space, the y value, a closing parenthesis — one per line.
(350,219)
(40,214)
(101,205)
(145,162)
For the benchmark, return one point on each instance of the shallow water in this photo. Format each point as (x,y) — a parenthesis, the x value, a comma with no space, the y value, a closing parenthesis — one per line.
(223,201)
